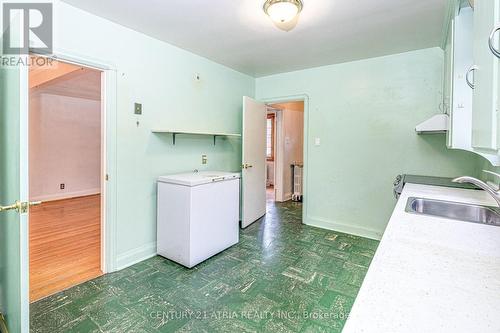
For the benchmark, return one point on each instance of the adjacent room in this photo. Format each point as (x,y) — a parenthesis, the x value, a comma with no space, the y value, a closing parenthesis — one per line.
(65,174)
(250,166)
(285,151)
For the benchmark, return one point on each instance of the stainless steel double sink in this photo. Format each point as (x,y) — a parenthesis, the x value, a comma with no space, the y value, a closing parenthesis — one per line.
(454,210)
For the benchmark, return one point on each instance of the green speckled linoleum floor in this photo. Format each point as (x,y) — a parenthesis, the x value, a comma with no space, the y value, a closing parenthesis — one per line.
(283,276)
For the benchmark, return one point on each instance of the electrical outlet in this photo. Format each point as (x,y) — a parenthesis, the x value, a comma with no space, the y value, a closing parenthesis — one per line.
(62,186)
(204,159)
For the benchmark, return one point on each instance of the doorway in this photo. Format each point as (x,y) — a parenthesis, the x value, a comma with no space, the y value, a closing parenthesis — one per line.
(285,151)
(66,136)
(290,150)
(270,154)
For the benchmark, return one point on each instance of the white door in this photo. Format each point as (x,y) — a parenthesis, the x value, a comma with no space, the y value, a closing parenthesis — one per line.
(486,80)
(253,172)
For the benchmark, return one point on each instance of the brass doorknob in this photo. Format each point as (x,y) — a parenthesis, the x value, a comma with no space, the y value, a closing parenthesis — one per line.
(20,207)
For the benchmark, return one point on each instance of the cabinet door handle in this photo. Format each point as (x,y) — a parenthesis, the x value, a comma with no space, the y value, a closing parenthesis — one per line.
(467,76)
(491,41)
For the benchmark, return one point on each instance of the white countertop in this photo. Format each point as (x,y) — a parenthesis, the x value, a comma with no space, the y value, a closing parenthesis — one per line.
(432,274)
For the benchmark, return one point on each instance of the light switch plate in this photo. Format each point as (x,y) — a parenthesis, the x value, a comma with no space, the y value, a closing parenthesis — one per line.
(137,108)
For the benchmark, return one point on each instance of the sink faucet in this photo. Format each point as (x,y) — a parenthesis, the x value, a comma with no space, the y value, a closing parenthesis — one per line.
(494,192)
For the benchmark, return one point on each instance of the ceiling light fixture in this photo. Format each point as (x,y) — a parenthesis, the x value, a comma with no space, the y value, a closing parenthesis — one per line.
(284,13)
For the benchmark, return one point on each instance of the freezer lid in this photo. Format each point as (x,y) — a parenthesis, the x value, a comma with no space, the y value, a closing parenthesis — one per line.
(198,178)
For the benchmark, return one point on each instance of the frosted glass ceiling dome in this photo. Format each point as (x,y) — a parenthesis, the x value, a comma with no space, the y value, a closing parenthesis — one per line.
(283,12)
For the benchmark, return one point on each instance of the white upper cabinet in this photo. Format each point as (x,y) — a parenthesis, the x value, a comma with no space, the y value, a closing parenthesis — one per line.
(484,76)
(459,58)
(460,133)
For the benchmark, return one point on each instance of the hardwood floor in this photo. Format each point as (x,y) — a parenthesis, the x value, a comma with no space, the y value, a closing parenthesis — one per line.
(65,244)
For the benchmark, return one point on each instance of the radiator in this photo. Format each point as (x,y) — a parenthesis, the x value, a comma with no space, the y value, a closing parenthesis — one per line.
(297,180)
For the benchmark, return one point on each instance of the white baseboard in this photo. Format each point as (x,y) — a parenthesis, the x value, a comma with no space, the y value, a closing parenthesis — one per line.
(344,227)
(136,255)
(66,195)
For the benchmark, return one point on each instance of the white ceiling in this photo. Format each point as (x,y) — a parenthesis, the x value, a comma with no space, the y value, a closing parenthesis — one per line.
(238,34)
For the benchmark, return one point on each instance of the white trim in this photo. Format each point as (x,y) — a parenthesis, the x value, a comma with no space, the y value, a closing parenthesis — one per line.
(24,194)
(279,157)
(103,172)
(79,59)
(109,189)
(107,258)
(66,195)
(136,255)
(344,228)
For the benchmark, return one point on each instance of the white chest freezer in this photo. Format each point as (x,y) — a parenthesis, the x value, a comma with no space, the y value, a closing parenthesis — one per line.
(198,215)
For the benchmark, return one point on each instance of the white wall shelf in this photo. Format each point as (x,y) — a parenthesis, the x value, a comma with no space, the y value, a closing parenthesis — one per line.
(177,132)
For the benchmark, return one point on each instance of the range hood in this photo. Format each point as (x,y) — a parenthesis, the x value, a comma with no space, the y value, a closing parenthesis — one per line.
(436,124)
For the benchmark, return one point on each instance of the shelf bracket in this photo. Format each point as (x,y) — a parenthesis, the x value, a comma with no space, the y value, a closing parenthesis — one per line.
(215,136)
(173,138)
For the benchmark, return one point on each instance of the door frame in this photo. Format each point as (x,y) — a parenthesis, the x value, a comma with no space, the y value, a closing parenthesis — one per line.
(24,193)
(298,98)
(279,194)
(278,152)
(108,151)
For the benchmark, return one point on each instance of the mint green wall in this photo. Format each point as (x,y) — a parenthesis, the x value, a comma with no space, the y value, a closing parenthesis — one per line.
(365,113)
(484,164)
(161,77)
